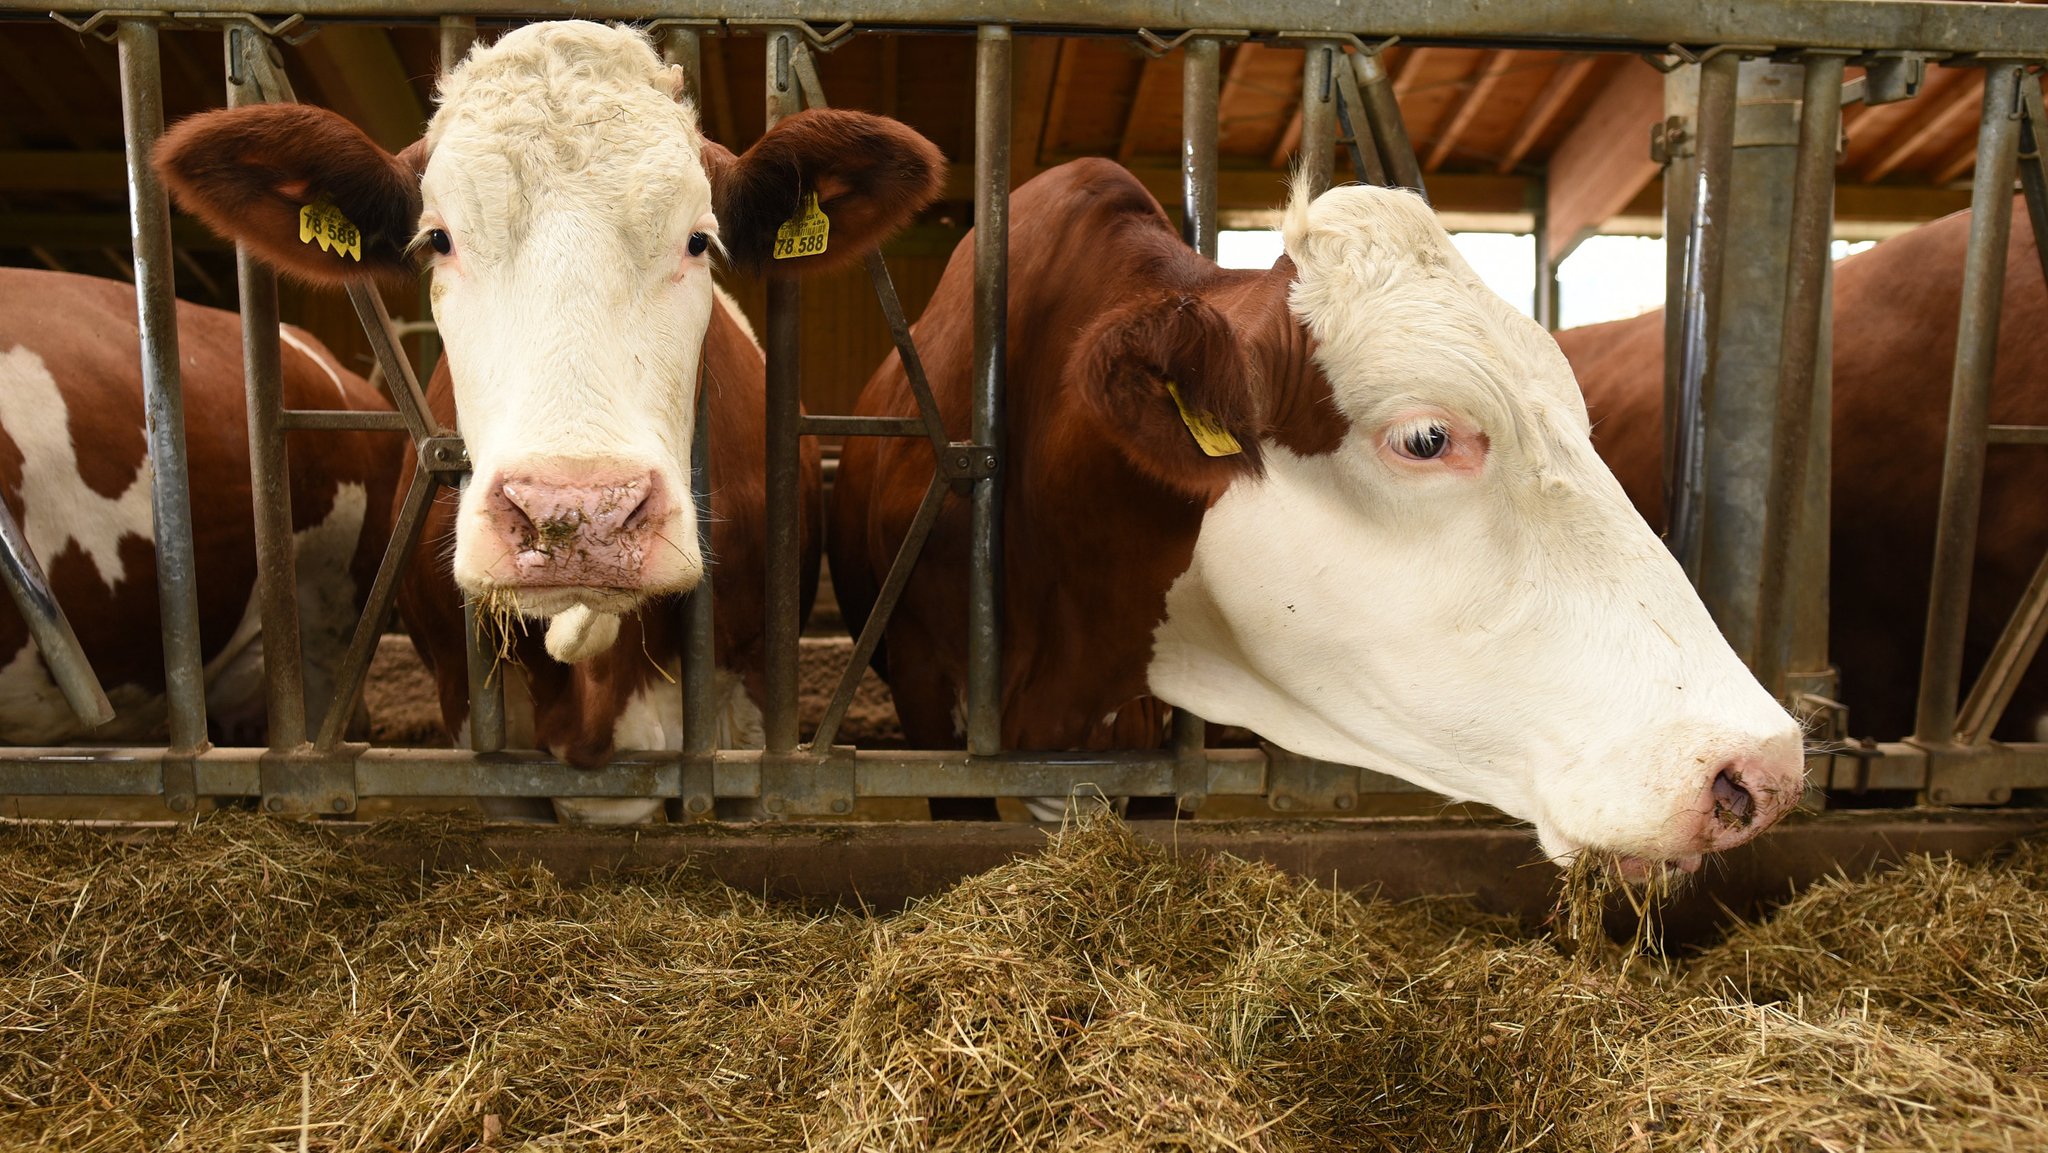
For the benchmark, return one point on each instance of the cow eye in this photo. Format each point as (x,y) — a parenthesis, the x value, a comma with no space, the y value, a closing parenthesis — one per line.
(698,243)
(1424,442)
(438,240)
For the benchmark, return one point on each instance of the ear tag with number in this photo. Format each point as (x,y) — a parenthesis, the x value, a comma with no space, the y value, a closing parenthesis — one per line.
(1209,433)
(323,223)
(803,234)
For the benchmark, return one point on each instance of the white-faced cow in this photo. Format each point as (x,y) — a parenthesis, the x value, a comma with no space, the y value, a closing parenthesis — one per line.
(1407,556)
(75,472)
(570,211)
(1896,311)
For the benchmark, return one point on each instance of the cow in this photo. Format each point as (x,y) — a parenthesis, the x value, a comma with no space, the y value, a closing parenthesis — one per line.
(76,474)
(571,211)
(1896,310)
(1348,503)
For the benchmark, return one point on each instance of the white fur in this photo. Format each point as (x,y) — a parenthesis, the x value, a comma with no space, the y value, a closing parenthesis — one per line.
(570,180)
(58,508)
(1517,636)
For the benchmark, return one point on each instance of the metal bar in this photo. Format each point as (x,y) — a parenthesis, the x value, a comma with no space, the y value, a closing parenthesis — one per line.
(398,374)
(700,632)
(1201,86)
(1813,201)
(149,215)
(340,420)
(1954,28)
(1315,157)
(2036,434)
(1543,300)
(684,48)
(785,545)
(885,605)
(1685,468)
(269,463)
(2009,659)
(2033,167)
(1681,173)
(47,626)
(480,641)
(1383,118)
(813,425)
(991,344)
(458,35)
(1357,138)
(1962,472)
(355,663)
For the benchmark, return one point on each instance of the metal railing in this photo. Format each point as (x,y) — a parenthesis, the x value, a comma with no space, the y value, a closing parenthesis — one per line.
(1348,100)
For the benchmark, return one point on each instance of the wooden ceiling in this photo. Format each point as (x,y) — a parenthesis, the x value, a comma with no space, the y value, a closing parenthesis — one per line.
(1491,127)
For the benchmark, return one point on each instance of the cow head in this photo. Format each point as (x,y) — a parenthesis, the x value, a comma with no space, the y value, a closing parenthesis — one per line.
(1432,574)
(570,210)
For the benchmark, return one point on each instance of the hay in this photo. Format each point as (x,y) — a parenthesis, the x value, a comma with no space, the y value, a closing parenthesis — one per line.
(249,984)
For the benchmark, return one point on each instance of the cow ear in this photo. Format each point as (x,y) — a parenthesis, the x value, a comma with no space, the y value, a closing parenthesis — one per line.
(1169,375)
(283,178)
(870,174)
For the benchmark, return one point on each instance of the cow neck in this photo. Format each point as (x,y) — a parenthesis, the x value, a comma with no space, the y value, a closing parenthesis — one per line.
(1299,412)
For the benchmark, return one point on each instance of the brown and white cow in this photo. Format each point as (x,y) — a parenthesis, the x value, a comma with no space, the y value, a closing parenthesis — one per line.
(1413,562)
(1895,316)
(570,211)
(75,473)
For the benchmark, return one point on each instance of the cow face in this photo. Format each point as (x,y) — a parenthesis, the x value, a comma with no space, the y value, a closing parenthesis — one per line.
(570,211)
(1454,589)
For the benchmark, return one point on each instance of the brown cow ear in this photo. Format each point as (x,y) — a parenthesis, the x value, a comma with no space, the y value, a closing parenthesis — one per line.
(1169,376)
(871,175)
(250,173)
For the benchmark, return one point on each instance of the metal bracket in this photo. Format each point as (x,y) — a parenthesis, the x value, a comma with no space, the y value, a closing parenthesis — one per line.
(1968,775)
(1679,54)
(92,25)
(1295,783)
(808,785)
(1671,139)
(1154,45)
(966,461)
(1350,39)
(444,454)
(309,781)
(819,41)
(1893,76)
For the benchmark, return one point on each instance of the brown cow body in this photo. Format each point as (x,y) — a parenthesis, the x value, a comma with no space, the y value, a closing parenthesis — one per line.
(74,471)
(1895,315)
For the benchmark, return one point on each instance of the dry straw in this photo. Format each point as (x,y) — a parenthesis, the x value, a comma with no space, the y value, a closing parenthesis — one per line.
(248,984)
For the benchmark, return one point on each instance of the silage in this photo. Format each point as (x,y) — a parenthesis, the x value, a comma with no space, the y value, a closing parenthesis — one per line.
(248,984)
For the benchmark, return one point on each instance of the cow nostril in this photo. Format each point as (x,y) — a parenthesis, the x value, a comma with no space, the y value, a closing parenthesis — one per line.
(640,514)
(1734,807)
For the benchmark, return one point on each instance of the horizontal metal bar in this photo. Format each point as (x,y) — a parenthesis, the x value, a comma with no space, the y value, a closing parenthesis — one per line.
(2018,434)
(342,420)
(861,426)
(1953,27)
(397,772)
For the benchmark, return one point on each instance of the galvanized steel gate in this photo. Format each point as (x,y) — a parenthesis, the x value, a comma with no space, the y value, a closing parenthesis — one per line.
(1763,577)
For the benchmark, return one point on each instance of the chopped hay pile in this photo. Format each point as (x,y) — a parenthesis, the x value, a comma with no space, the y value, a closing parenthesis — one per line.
(249,984)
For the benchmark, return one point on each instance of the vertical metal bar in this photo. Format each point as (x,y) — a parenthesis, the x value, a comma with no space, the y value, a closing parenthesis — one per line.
(1543,300)
(1700,304)
(47,626)
(486,691)
(991,344)
(684,48)
(1681,172)
(1812,221)
(149,218)
(1962,470)
(458,34)
(785,545)
(1201,82)
(1318,117)
(269,465)
(1383,116)
(2033,166)
(1366,165)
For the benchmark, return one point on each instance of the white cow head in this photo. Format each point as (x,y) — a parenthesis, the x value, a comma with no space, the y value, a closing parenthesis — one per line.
(1454,589)
(570,210)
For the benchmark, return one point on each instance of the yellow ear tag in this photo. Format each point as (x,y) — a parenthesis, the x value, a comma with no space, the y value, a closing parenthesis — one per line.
(322,222)
(803,234)
(1214,439)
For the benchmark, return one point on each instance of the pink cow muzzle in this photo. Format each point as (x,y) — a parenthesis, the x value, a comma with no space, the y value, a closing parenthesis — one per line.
(594,530)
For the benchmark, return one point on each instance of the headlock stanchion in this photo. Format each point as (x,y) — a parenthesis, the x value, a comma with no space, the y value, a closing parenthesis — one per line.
(1765,575)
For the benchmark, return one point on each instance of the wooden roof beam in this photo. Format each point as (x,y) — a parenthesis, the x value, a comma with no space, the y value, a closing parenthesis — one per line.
(1938,113)
(1563,85)
(1151,89)
(1485,78)
(1031,90)
(1605,161)
(360,76)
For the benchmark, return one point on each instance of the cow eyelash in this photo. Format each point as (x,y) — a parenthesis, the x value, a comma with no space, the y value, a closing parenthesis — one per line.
(434,238)
(1425,440)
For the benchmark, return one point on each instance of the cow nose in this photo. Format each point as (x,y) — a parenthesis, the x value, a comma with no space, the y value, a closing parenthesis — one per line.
(590,529)
(1749,792)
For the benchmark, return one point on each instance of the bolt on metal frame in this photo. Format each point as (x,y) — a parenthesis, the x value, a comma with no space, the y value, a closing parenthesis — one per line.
(1348,100)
